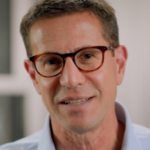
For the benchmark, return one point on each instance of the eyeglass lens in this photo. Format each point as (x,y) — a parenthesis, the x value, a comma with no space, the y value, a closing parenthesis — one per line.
(52,64)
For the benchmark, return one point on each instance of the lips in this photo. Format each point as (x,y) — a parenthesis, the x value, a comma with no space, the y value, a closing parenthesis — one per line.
(76,101)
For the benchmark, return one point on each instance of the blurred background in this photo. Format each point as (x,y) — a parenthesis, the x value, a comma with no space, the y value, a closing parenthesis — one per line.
(21,109)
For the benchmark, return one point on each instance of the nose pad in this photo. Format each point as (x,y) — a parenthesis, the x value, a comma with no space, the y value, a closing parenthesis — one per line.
(71,76)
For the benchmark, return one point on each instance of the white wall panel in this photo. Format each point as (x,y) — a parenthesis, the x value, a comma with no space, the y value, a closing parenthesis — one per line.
(18,82)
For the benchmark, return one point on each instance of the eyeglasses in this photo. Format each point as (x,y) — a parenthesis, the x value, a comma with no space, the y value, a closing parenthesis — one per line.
(86,60)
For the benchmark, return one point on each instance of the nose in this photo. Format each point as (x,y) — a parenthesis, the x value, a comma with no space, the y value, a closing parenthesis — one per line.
(71,76)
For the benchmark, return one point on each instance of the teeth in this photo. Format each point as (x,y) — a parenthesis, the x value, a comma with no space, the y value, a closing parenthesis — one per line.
(75,102)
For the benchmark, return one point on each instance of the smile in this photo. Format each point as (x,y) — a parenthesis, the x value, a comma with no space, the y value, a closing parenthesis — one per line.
(75,102)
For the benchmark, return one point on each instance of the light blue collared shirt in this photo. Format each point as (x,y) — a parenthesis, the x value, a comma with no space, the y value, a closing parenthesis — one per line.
(136,137)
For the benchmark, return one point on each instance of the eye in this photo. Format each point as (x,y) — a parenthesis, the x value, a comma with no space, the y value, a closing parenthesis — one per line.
(53,61)
(86,56)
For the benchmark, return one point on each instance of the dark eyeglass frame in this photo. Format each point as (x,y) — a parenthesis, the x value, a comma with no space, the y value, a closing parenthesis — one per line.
(72,55)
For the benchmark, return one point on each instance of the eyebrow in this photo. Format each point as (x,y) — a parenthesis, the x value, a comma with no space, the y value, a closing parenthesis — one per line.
(75,49)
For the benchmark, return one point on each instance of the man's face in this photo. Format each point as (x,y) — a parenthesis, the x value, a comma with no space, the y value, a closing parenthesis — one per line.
(67,34)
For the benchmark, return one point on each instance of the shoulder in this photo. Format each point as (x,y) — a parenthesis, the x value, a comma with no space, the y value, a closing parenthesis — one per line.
(143,135)
(27,143)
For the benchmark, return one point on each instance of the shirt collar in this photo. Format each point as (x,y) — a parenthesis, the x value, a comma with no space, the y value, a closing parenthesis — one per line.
(130,140)
(46,141)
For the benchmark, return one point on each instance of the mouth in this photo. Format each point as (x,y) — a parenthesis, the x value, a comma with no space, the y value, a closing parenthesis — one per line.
(75,102)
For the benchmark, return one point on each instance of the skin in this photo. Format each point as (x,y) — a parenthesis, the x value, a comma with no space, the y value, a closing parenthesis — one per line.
(93,124)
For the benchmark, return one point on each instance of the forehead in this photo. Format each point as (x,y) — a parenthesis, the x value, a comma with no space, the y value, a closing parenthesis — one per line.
(66,32)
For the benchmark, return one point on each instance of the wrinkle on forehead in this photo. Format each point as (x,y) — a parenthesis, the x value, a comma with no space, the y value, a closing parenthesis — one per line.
(70,46)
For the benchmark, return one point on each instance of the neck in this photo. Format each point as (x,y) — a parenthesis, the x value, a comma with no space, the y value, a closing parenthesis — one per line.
(108,135)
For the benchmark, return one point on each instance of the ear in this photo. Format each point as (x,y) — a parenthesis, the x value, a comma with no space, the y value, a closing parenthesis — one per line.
(32,73)
(121,55)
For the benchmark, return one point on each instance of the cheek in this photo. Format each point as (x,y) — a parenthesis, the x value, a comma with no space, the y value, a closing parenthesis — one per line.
(104,81)
(48,90)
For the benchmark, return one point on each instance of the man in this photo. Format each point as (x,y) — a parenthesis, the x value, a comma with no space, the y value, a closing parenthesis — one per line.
(75,63)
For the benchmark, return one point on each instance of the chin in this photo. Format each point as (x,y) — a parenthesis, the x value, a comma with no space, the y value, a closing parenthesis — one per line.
(81,128)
